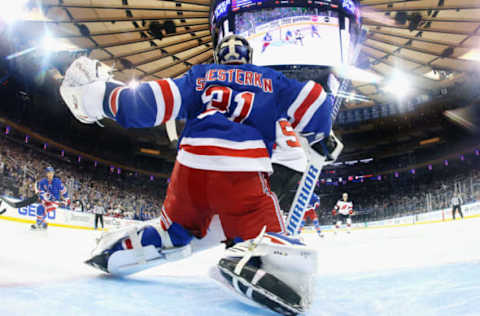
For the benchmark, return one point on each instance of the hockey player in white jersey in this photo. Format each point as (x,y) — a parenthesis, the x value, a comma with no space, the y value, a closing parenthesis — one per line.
(343,210)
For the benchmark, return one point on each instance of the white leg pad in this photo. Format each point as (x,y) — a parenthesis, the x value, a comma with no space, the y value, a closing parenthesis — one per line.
(139,258)
(296,265)
(126,262)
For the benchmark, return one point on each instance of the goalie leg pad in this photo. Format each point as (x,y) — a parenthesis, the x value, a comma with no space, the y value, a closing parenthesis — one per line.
(135,249)
(290,266)
(261,287)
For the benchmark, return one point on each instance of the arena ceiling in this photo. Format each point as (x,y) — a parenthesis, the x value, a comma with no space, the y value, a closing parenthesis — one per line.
(431,43)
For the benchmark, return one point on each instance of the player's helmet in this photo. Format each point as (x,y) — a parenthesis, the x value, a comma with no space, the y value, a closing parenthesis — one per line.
(49,169)
(315,200)
(233,50)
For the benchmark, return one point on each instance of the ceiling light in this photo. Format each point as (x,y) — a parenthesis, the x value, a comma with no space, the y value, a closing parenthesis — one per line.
(356,74)
(12,10)
(48,43)
(133,84)
(398,85)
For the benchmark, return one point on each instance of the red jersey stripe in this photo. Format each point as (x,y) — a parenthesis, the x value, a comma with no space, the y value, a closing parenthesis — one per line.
(168,97)
(128,243)
(113,101)
(309,100)
(222,151)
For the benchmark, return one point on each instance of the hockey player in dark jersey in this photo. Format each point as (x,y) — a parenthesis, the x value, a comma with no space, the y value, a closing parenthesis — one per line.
(231,109)
(311,214)
(52,193)
(289,36)
(267,40)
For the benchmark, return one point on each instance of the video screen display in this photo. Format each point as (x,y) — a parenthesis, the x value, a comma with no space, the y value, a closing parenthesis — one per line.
(294,36)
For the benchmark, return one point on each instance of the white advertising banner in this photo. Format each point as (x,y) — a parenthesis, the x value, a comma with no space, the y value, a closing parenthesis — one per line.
(62,217)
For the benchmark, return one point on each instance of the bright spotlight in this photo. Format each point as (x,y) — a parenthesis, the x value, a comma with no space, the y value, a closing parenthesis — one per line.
(356,74)
(48,43)
(133,84)
(399,85)
(11,11)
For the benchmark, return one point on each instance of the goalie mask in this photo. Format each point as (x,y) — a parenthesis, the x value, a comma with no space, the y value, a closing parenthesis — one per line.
(233,50)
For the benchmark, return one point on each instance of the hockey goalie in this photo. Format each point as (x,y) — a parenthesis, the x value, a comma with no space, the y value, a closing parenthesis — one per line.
(222,168)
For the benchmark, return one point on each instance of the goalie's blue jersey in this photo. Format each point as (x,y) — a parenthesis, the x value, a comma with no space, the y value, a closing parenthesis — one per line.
(231,113)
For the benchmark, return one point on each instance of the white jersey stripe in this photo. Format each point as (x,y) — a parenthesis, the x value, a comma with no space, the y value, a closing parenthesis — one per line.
(159,101)
(163,214)
(217,142)
(224,163)
(311,111)
(300,98)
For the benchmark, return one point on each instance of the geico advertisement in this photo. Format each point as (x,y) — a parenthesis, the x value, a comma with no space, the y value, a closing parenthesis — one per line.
(31,211)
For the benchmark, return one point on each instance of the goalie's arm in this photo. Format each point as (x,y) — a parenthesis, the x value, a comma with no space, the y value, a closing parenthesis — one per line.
(150,104)
(311,111)
(91,97)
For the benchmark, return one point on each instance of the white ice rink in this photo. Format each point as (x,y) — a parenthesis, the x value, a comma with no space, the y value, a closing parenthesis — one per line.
(429,269)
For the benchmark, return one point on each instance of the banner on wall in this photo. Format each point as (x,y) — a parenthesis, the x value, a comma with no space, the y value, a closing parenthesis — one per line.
(62,217)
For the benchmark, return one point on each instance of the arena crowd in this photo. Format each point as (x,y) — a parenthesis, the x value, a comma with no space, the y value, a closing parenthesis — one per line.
(125,196)
(136,197)
(409,193)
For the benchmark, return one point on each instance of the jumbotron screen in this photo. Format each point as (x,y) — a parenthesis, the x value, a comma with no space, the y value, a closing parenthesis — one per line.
(295,36)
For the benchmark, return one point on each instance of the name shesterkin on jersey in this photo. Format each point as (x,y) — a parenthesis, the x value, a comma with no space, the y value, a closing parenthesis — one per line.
(238,76)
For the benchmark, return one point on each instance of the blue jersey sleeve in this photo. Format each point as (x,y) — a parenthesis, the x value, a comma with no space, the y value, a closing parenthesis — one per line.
(308,107)
(151,103)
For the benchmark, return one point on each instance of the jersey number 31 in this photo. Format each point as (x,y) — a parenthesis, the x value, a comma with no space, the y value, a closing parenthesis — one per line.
(220,98)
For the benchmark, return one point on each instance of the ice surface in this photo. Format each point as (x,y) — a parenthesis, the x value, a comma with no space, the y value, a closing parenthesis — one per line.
(429,269)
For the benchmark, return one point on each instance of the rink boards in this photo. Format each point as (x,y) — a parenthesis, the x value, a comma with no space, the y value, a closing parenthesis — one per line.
(79,220)
(61,218)
(471,210)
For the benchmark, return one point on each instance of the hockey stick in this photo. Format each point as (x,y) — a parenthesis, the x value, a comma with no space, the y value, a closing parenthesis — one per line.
(310,177)
(316,162)
(19,204)
(307,186)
